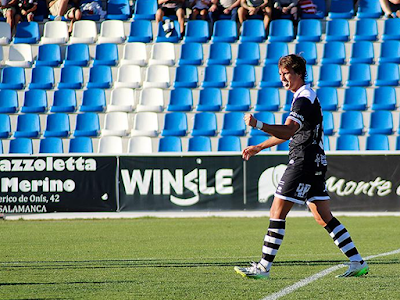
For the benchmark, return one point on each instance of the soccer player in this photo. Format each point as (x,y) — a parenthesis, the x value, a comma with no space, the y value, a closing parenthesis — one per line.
(304,178)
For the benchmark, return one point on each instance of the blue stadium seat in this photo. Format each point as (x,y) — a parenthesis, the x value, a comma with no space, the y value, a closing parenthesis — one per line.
(35,101)
(21,146)
(197,31)
(288,101)
(205,124)
(238,100)
(106,54)
(351,122)
(71,77)
(5,126)
(210,99)
(327,145)
(191,54)
(362,53)
(57,125)
(390,52)
(366,30)
(77,55)
(51,145)
(100,77)
(341,9)
(233,124)
(81,144)
(175,124)
(181,99)
(283,147)
(270,76)
(87,124)
(257,139)
(9,101)
(309,30)
(248,54)
(384,98)
(215,76)
(28,126)
(268,99)
(369,9)
(118,10)
(186,77)
(140,31)
(266,117)
(275,51)
(49,55)
(355,98)
(334,53)
(253,30)
(27,33)
(359,75)
(337,30)
(224,31)
(145,10)
(310,75)
(243,76)
(348,142)
(398,143)
(391,30)
(64,101)
(170,144)
(377,142)
(93,100)
(42,78)
(381,122)
(330,75)
(308,50)
(229,143)
(281,30)
(175,36)
(12,78)
(328,97)
(220,54)
(328,123)
(388,75)
(199,143)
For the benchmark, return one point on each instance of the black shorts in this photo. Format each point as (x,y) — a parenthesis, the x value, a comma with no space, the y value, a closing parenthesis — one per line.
(170,11)
(300,187)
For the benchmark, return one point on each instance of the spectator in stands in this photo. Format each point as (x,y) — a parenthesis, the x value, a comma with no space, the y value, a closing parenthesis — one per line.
(70,11)
(7,10)
(169,8)
(391,8)
(285,7)
(255,7)
(200,7)
(223,7)
(25,10)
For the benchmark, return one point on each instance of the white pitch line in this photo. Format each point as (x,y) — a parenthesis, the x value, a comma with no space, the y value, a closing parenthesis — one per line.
(317,276)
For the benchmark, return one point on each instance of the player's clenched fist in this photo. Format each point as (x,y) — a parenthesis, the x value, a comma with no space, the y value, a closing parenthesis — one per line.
(250,120)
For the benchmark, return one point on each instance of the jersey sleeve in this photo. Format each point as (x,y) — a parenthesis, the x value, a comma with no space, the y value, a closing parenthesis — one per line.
(301,109)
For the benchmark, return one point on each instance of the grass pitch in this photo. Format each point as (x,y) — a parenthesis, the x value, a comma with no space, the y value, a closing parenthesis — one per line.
(152,258)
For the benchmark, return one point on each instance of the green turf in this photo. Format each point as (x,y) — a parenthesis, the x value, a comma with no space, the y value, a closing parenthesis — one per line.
(153,258)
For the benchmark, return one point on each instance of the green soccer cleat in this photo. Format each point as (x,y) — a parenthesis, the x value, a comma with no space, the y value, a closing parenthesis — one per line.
(255,271)
(356,269)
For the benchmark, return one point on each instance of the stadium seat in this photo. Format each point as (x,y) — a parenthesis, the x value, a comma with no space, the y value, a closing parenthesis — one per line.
(205,124)
(215,76)
(197,31)
(42,78)
(220,54)
(328,123)
(112,31)
(281,30)
(100,77)
(326,142)
(199,143)
(224,31)
(390,30)
(229,143)
(238,99)
(348,142)
(244,76)
(330,75)
(71,77)
(359,75)
(351,122)
(384,98)
(170,144)
(122,99)
(337,30)
(57,125)
(21,146)
(181,99)
(175,36)
(116,124)
(162,53)
(257,139)
(145,124)
(309,75)
(186,77)
(129,76)
(334,53)
(5,126)
(134,53)
(253,30)
(210,99)
(288,101)
(19,55)
(151,99)
(362,53)
(5,33)
(118,10)
(390,52)
(110,145)
(268,99)
(388,75)
(9,102)
(93,100)
(309,30)
(49,55)
(140,144)
(140,31)
(340,9)
(275,51)
(64,101)
(283,147)
(377,142)
(81,144)
(28,126)
(106,54)
(51,145)
(55,32)
(233,124)
(381,122)
(266,117)
(157,76)
(308,50)
(270,76)
(27,33)
(12,78)
(248,54)
(175,124)
(77,55)
(328,97)
(145,10)
(369,9)
(191,54)
(366,30)
(87,124)
(355,98)
(84,31)
(35,101)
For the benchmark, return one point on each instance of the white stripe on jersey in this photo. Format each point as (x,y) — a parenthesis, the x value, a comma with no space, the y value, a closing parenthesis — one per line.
(306,92)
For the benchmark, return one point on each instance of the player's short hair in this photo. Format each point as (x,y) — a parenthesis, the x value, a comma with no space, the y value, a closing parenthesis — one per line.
(295,62)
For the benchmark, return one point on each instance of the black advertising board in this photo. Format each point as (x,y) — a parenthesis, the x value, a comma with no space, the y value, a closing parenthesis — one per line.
(181,183)
(37,184)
